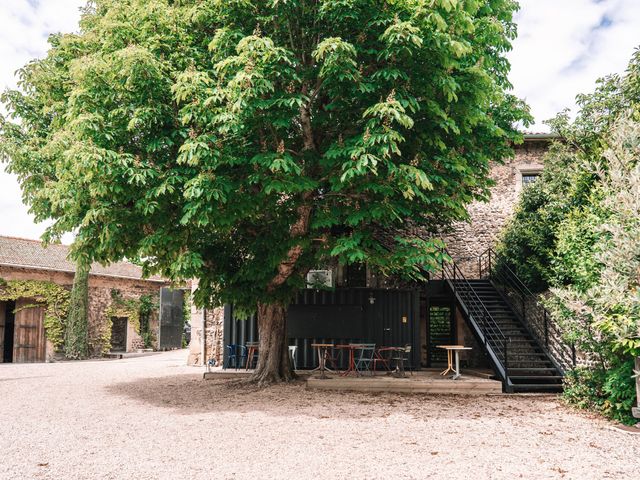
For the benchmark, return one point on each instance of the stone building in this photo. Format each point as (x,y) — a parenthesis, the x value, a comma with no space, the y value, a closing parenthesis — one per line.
(31,332)
(423,317)
(467,240)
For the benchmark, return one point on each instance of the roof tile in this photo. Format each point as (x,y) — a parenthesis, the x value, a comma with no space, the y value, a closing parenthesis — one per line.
(20,252)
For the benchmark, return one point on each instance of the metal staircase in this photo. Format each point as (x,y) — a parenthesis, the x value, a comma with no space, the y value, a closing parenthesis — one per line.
(521,361)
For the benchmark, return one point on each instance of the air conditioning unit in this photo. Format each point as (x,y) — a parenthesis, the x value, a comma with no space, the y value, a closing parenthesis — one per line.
(319,279)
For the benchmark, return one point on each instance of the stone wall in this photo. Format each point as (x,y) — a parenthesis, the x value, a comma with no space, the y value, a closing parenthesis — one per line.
(213,348)
(100,298)
(467,240)
(213,326)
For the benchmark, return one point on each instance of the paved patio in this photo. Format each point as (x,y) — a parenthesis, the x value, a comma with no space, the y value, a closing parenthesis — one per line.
(155,418)
(424,381)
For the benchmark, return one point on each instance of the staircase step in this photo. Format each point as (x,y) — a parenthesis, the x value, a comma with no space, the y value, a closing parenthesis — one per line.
(534,387)
(531,369)
(535,377)
(529,366)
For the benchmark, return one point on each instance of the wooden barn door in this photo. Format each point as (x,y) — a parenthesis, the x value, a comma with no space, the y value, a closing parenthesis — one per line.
(29,342)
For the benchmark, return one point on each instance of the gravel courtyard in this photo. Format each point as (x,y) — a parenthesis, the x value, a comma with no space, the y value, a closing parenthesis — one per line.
(154,418)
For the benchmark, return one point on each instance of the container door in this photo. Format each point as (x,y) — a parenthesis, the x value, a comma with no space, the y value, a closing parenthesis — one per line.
(171,319)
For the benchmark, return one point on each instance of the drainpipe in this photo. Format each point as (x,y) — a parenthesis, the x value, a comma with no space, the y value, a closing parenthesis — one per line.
(203,334)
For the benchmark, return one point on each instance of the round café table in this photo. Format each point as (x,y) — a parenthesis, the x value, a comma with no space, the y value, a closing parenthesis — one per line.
(322,358)
(451,351)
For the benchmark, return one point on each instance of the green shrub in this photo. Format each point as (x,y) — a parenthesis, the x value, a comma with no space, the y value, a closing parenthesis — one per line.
(610,391)
(576,233)
(76,329)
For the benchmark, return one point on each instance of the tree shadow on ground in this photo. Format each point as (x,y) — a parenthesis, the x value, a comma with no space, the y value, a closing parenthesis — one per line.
(190,394)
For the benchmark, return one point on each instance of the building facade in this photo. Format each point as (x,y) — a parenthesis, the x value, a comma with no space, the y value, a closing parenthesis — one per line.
(30,332)
(421,315)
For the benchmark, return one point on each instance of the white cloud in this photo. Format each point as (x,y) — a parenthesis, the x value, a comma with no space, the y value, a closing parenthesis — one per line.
(24,28)
(564,46)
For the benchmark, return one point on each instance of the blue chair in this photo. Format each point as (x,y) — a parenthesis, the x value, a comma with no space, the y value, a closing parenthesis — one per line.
(364,357)
(234,357)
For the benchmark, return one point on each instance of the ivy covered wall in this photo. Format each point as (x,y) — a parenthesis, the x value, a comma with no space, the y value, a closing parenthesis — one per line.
(107,297)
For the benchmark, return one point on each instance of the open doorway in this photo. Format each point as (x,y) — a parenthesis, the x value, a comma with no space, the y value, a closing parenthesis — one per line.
(7,330)
(440,332)
(119,334)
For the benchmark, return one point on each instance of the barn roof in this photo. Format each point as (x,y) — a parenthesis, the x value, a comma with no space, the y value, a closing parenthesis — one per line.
(20,252)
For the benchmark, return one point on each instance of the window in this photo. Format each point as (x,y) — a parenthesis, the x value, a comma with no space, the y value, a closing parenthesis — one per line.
(529,178)
(356,275)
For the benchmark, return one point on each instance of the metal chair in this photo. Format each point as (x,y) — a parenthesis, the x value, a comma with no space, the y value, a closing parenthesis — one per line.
(402,358)
(244,353)
(364,358)
(293,349)
(232,356)
(407,358)
(379,357)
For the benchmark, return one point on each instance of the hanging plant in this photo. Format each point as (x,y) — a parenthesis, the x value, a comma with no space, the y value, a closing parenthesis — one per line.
(54,298)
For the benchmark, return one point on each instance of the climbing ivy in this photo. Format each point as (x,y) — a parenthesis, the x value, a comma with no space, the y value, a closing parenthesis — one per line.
(134,309)
(147,305)
(186,315)
(54,298)
(75,338)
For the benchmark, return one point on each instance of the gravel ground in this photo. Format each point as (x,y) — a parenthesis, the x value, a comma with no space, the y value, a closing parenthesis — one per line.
(154,418)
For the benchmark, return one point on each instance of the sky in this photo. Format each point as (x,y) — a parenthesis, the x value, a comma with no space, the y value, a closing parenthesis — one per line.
(563,47)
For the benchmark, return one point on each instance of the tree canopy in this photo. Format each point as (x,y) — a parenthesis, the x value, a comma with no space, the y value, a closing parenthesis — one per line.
(243,142)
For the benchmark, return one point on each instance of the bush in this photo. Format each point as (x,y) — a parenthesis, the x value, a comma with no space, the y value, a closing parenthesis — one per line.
(576,232)
(610,392)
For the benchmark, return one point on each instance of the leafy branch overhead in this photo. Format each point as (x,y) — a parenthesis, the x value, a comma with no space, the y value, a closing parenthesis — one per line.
(245,142)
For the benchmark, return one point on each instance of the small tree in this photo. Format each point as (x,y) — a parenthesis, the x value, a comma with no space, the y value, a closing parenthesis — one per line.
(75,334)
(244,142)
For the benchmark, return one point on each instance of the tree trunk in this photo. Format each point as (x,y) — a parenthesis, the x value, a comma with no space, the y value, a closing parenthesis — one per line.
(273,352)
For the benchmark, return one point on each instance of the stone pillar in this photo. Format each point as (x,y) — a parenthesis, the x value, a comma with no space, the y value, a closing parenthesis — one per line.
(213,320)
(195,345)
(636,410)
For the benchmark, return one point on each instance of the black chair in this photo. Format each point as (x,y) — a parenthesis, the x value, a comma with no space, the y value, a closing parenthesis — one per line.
(402,357)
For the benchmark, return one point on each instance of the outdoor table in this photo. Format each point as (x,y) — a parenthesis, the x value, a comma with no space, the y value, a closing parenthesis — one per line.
(399,370)
(351,365)
(252,348)
(380,356)
(322,354)
(453,349)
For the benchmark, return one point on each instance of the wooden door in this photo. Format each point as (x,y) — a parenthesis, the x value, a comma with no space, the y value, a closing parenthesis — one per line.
(3,317)
(29,343)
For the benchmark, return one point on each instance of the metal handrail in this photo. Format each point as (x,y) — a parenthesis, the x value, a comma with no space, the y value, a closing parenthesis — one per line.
(489,327)
(508,278)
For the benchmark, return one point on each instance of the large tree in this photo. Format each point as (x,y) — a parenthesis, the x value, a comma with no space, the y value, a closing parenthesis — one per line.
(243,142)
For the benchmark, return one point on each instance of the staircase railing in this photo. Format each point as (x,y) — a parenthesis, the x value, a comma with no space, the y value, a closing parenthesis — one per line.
(490,332)
(534,316)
